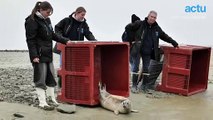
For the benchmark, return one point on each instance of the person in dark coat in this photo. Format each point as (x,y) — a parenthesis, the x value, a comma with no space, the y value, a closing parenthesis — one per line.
(129,36)
(148,32)
(75,28)
(39,36)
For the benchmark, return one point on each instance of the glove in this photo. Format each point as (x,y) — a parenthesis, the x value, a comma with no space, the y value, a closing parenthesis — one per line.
(175,44)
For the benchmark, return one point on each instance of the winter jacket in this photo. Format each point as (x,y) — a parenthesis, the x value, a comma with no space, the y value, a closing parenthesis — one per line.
(39,35)
(141,28)
(73,29)
(129,35)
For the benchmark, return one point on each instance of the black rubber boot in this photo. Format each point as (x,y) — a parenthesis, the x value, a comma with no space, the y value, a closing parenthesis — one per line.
(59,82)
(152,81)
(134,83)
(155,69)
(144,86)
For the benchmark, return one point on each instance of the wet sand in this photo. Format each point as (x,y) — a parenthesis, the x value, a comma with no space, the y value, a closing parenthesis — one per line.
(196,107)
(165,106)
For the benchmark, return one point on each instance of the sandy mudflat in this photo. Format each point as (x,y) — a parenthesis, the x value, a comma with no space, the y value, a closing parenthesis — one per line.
(18,96)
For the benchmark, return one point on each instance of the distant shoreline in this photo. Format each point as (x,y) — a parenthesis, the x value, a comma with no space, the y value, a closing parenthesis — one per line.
(28,50)
(13,50)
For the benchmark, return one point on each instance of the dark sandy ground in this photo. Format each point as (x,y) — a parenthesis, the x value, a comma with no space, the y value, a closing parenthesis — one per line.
(17,95)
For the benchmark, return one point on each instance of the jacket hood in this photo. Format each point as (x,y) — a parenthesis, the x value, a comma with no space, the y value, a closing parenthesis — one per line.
(27,17)
(40,15)
(73,16)
(134,18)
(35,16)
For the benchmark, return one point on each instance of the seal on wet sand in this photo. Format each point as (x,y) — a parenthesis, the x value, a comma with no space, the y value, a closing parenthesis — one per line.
(115,103)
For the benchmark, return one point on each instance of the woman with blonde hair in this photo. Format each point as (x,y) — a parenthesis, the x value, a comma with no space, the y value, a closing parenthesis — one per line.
(75,26)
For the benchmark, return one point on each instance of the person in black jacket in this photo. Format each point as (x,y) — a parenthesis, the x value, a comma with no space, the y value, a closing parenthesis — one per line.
(75,28)
(148,32)
(39,36)
(129,36)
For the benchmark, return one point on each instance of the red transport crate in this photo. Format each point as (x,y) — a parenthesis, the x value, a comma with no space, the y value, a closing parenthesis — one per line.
(185,69)
(84,64)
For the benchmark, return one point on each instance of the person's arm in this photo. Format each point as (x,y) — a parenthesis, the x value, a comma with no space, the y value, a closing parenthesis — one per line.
(163,36)
(31,27)
(57,37)
(60,27)
(88,34)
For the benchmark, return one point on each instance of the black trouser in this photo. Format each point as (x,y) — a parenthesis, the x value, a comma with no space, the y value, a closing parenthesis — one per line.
(134,80)
(44,75)
(146,62)
(155,69)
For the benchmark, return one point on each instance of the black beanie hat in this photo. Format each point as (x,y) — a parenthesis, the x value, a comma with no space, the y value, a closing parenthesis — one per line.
(134,18)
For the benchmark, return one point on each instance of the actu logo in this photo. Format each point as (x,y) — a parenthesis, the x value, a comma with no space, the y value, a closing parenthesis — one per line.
(197,9)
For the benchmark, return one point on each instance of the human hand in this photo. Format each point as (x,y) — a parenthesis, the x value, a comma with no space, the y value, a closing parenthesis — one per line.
(36,60)
(177,47)
(69,42)
(175,44)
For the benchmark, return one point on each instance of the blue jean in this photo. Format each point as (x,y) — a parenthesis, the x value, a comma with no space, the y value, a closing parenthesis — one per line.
(60,60)
(146,62)
(134,62)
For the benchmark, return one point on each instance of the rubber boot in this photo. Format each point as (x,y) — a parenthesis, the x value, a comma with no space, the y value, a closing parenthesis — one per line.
(144,86)
(51,96)
(59,82)
(155,69)
(134,83)
(152,81)
(42,100)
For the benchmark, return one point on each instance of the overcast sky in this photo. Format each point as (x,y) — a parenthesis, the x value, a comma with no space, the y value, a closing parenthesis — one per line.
(107,19)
